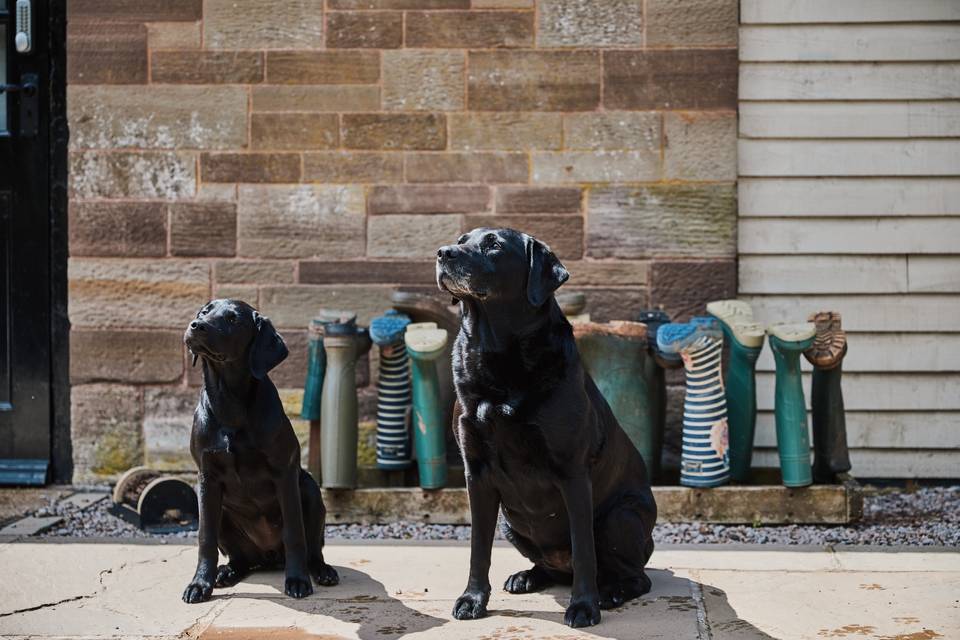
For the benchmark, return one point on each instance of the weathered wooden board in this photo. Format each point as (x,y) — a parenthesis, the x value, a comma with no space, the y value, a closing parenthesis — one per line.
(849,235)
(849,157)
(823,274)
(887,463)
(820,11)
(849,42)
(803,197)
(884,429)
(849,81)
(881,392)
(849,119)
(897,312)
(935,274)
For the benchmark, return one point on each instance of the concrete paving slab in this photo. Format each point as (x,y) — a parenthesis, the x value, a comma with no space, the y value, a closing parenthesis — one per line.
(31,525)
(84,499)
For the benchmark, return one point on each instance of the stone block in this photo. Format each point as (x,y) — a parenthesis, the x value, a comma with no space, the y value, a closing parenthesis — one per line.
(323,67)
(683,288)
(410,236)
(505,131)
(294,131)
(700,145)
(467,167)
(173,35)
(533,80)
(563,233)
(622,303)
(368,272)
(606,273)
(612,130)
(362,30)
(157,117)
(642,165)
(206,67)
(670,79)
(253,24)
(106,53)
(167,423)
(250,167)
(538,199)
(248,293)
(692,23)
(294,306)
(203,229)
(115,11)
(253,271)
(105,430)
(399,4)
(352,167)
(662,220)
(136,293)
(469,29)
(428,199)
(503,4)
(589,23)
(345,97)
(300,221)
(423,80)
(154,175)
(118,228)
(394,131)
(119,355)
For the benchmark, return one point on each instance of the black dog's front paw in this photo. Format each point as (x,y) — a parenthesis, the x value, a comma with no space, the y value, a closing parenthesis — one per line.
(227,576)
(582,613)
(297,586)
(197,591)
(326,576)
(472,605)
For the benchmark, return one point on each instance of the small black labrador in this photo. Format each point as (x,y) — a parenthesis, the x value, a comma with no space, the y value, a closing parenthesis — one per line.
(538,440)
(257,504)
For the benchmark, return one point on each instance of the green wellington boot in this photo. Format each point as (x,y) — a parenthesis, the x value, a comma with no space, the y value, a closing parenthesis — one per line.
(788,341)
(344,344)
(830,453)
(654,373)
(616,356)
(745,338)
(425,344)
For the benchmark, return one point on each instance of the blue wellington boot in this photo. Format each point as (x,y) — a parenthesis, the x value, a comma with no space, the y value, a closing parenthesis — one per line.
(393,391)
(704,459)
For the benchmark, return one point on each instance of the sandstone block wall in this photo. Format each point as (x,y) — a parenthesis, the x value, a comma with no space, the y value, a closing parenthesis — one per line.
(303,153)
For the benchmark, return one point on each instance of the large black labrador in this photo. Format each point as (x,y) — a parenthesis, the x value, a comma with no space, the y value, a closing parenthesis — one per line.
(257,504)
(538,440)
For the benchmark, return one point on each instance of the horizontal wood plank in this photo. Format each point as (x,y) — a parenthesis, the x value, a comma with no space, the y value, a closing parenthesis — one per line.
(826,11)
(849,235)
(934,274)
(891,352)
(881,392)
(849,81)
(849,42)
(883,429)
(897,312)
(887,463)
(849,119)
(823,274)
(849,157)
(848,196)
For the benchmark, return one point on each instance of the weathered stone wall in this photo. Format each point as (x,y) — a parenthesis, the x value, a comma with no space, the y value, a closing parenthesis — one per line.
(298,154)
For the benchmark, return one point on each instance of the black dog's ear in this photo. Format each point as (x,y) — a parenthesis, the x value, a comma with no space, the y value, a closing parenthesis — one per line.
(268,349)
(545,273)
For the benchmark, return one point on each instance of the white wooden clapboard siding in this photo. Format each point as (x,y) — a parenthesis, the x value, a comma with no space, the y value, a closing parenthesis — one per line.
(840,43)
(850,119)
(849,196)
(851,11)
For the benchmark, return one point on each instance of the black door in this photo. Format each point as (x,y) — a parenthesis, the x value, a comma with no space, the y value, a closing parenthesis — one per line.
(33,396)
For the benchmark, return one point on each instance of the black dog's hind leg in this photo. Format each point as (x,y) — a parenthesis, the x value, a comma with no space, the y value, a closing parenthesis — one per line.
(533,579)
(484,506)
(242,555)
(314,520)
(624,545)
(297,579)
(208,553)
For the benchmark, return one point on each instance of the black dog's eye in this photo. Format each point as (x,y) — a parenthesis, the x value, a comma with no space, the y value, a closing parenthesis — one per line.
(490,243)
(462,239)
(231,317)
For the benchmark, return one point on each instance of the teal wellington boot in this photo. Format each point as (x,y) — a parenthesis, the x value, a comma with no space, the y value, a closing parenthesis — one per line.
(830,453)
(654,372)
(616,356)
(788,341)
(344,344)
(425,344)
(745,339)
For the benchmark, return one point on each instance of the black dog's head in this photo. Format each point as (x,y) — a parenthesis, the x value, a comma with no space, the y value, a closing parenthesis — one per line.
(232,331)
(500,265)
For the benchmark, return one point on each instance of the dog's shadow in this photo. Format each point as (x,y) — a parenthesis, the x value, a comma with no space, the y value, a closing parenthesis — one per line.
(358,599)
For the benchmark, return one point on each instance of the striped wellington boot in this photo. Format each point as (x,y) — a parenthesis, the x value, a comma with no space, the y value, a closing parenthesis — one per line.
(393,391)
(704,459)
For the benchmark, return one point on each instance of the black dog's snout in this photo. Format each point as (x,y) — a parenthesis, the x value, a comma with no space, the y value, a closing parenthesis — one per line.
(446,253)
(196,326)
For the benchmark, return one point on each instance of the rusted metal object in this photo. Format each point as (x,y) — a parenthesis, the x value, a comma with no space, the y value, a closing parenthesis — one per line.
(155,502)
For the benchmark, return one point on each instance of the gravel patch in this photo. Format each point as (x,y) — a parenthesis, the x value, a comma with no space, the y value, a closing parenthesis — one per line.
(929,516)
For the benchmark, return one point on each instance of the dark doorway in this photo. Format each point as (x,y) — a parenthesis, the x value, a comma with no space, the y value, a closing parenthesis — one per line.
(34,369)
